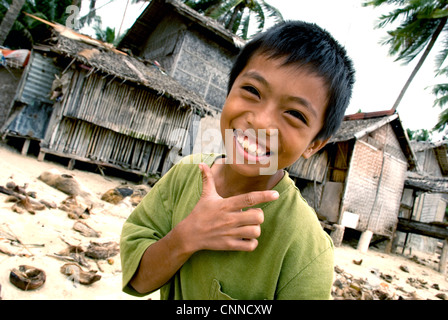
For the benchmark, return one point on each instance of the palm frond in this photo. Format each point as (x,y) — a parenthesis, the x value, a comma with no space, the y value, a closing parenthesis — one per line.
(441,56)
(225,7)
(441,92)
(245,29)
(443,121)
(272,11)
(259,15)
(410,38)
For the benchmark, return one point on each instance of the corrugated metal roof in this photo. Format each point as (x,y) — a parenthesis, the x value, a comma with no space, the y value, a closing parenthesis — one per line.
(39,80)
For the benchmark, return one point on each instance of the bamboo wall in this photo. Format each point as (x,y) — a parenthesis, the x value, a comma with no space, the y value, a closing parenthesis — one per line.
(192,58)
(312,169)
(85,141)
(118,124)
(125,109)
(374,188)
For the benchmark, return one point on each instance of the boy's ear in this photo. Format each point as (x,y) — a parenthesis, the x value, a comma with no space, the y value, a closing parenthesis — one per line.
(314,146)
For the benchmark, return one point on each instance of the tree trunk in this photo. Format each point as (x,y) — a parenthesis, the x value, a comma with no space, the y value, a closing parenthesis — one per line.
(239,8)
(9,19)
(421,61)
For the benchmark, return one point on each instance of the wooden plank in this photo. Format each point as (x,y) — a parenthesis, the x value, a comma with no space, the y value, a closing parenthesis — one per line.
(443,257)
(421,228)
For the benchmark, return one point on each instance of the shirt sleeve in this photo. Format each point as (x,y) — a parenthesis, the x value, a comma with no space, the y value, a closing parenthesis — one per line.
(149,222)
(314,282)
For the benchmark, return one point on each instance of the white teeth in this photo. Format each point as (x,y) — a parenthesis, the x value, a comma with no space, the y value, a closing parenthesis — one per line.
(252,148)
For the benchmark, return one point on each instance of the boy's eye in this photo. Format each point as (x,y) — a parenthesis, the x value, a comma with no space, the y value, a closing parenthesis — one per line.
(298,115)
(252,90)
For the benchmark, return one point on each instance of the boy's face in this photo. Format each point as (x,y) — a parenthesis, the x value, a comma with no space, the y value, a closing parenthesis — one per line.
(287,103)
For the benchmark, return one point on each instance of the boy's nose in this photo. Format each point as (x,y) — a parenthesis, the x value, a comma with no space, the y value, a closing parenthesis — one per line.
(264,118)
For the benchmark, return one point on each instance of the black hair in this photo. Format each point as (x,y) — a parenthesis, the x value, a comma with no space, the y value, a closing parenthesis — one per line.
(309,46)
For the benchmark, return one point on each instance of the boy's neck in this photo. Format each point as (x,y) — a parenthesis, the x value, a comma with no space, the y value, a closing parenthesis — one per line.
(229,183)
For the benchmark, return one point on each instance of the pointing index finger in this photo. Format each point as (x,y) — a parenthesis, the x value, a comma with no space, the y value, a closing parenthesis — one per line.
(252,198)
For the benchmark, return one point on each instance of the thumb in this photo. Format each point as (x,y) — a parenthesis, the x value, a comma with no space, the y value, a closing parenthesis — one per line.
(208,182)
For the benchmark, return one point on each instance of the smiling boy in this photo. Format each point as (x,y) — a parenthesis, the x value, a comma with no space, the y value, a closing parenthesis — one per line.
(223,229)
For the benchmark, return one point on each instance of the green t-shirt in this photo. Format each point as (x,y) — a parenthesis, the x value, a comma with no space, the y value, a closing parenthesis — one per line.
(294,258)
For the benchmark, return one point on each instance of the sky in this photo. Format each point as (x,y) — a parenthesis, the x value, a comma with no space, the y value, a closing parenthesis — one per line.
(379,78)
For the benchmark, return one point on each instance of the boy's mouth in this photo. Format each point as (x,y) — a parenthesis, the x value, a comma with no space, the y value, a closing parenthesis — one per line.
(251,145)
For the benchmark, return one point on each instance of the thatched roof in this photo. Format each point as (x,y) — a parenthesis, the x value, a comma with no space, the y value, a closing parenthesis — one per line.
(130,69)
(351,129)
(157,9)
(103,57)
(358,125)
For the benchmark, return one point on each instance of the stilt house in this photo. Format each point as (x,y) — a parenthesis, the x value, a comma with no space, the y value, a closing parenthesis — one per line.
(102,106)
(425,196)
(195,50)
(357,180)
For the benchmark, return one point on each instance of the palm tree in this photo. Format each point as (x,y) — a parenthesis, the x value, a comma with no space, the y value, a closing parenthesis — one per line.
(236,14)
(107,35)
(441,93)
(26,31)
(9,19)
(419,135)
(422,22)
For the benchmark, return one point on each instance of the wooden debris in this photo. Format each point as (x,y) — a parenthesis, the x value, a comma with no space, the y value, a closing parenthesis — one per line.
(24,202)
(72,254)
(102,251)
(78,275)
(357,262)
(15,238)
(48,204)
(442,296)
(112,196)
(74,210)
(347,287)
(404,268)
(27,277)
(85,229)
(6,251)
(67,184)
(116,195)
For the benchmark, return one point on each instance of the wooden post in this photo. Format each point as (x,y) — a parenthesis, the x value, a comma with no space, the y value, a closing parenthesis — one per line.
(364,241)
(443,257)
(71,164)
(391,244)
(41,156)
(337,234)
(26,146)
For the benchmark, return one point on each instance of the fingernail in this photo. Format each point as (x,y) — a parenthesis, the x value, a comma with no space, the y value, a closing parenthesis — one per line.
(275,195)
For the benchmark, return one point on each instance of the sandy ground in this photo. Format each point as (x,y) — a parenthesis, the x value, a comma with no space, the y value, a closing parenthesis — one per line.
(51,230)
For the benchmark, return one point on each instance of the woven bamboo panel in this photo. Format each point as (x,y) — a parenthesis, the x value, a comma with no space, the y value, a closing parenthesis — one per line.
(374,189)
(313,169)
(362,182)
(87,141)
(126,109)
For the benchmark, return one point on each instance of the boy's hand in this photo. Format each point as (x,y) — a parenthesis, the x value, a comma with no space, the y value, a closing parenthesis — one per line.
(218,223)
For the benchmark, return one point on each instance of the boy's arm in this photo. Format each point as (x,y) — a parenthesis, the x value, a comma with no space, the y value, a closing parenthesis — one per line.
(214,224)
